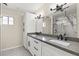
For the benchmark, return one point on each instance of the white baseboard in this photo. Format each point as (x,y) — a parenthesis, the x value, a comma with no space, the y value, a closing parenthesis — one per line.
(11,48)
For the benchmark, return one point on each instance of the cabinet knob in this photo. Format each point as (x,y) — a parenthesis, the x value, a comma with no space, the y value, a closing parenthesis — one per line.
(29,43)
(35,48)
(36,42)
(34,54)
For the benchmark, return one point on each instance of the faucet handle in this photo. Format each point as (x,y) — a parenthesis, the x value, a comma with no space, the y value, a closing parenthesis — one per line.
(65,37)
(60,36)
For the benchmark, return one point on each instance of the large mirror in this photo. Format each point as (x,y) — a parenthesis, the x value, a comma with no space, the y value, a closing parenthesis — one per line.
(64,22)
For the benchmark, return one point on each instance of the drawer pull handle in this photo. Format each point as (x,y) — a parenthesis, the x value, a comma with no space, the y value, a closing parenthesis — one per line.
(36,42)
(29,43)
(35,48)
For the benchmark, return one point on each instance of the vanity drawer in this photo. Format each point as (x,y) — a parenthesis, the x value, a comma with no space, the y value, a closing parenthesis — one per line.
(37,51)
(37,47)
(37,43)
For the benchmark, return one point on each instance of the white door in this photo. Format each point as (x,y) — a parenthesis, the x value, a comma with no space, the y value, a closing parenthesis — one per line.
(29,27)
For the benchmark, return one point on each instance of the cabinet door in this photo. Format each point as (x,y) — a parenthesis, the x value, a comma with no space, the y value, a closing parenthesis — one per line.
(30,45)
(34,46)
(48,50)
(25,41)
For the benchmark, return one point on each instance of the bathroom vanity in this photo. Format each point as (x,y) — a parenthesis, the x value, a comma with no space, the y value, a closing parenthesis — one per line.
(46,43)
(43,45)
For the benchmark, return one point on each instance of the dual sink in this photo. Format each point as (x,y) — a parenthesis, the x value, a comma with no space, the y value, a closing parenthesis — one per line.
(64,43)
(60,42)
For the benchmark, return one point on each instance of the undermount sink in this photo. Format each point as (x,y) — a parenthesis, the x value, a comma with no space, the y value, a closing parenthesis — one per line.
(60,42)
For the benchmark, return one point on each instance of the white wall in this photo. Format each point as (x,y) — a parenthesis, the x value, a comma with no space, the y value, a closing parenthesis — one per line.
(0,26)
(11,35)
(78,20)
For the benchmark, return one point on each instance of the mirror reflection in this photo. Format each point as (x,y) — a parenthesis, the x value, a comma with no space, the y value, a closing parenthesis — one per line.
(61,22)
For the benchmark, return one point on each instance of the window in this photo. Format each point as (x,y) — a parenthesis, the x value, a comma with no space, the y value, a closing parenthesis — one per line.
(0,20)
(7,20)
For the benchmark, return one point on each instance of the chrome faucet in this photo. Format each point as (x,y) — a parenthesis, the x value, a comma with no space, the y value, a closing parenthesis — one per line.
(62,37)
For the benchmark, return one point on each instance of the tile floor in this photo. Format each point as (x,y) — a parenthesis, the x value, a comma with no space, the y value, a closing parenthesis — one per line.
(20,51)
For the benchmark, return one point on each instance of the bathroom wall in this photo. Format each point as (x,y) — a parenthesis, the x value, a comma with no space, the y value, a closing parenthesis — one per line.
(0,26)
(78,20)
(11,35)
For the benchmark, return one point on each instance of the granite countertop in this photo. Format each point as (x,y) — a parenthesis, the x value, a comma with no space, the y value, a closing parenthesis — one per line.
(72,48)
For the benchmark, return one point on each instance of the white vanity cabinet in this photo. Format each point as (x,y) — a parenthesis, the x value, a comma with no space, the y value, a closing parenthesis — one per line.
(38,48)
(34,46)
(48,50)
